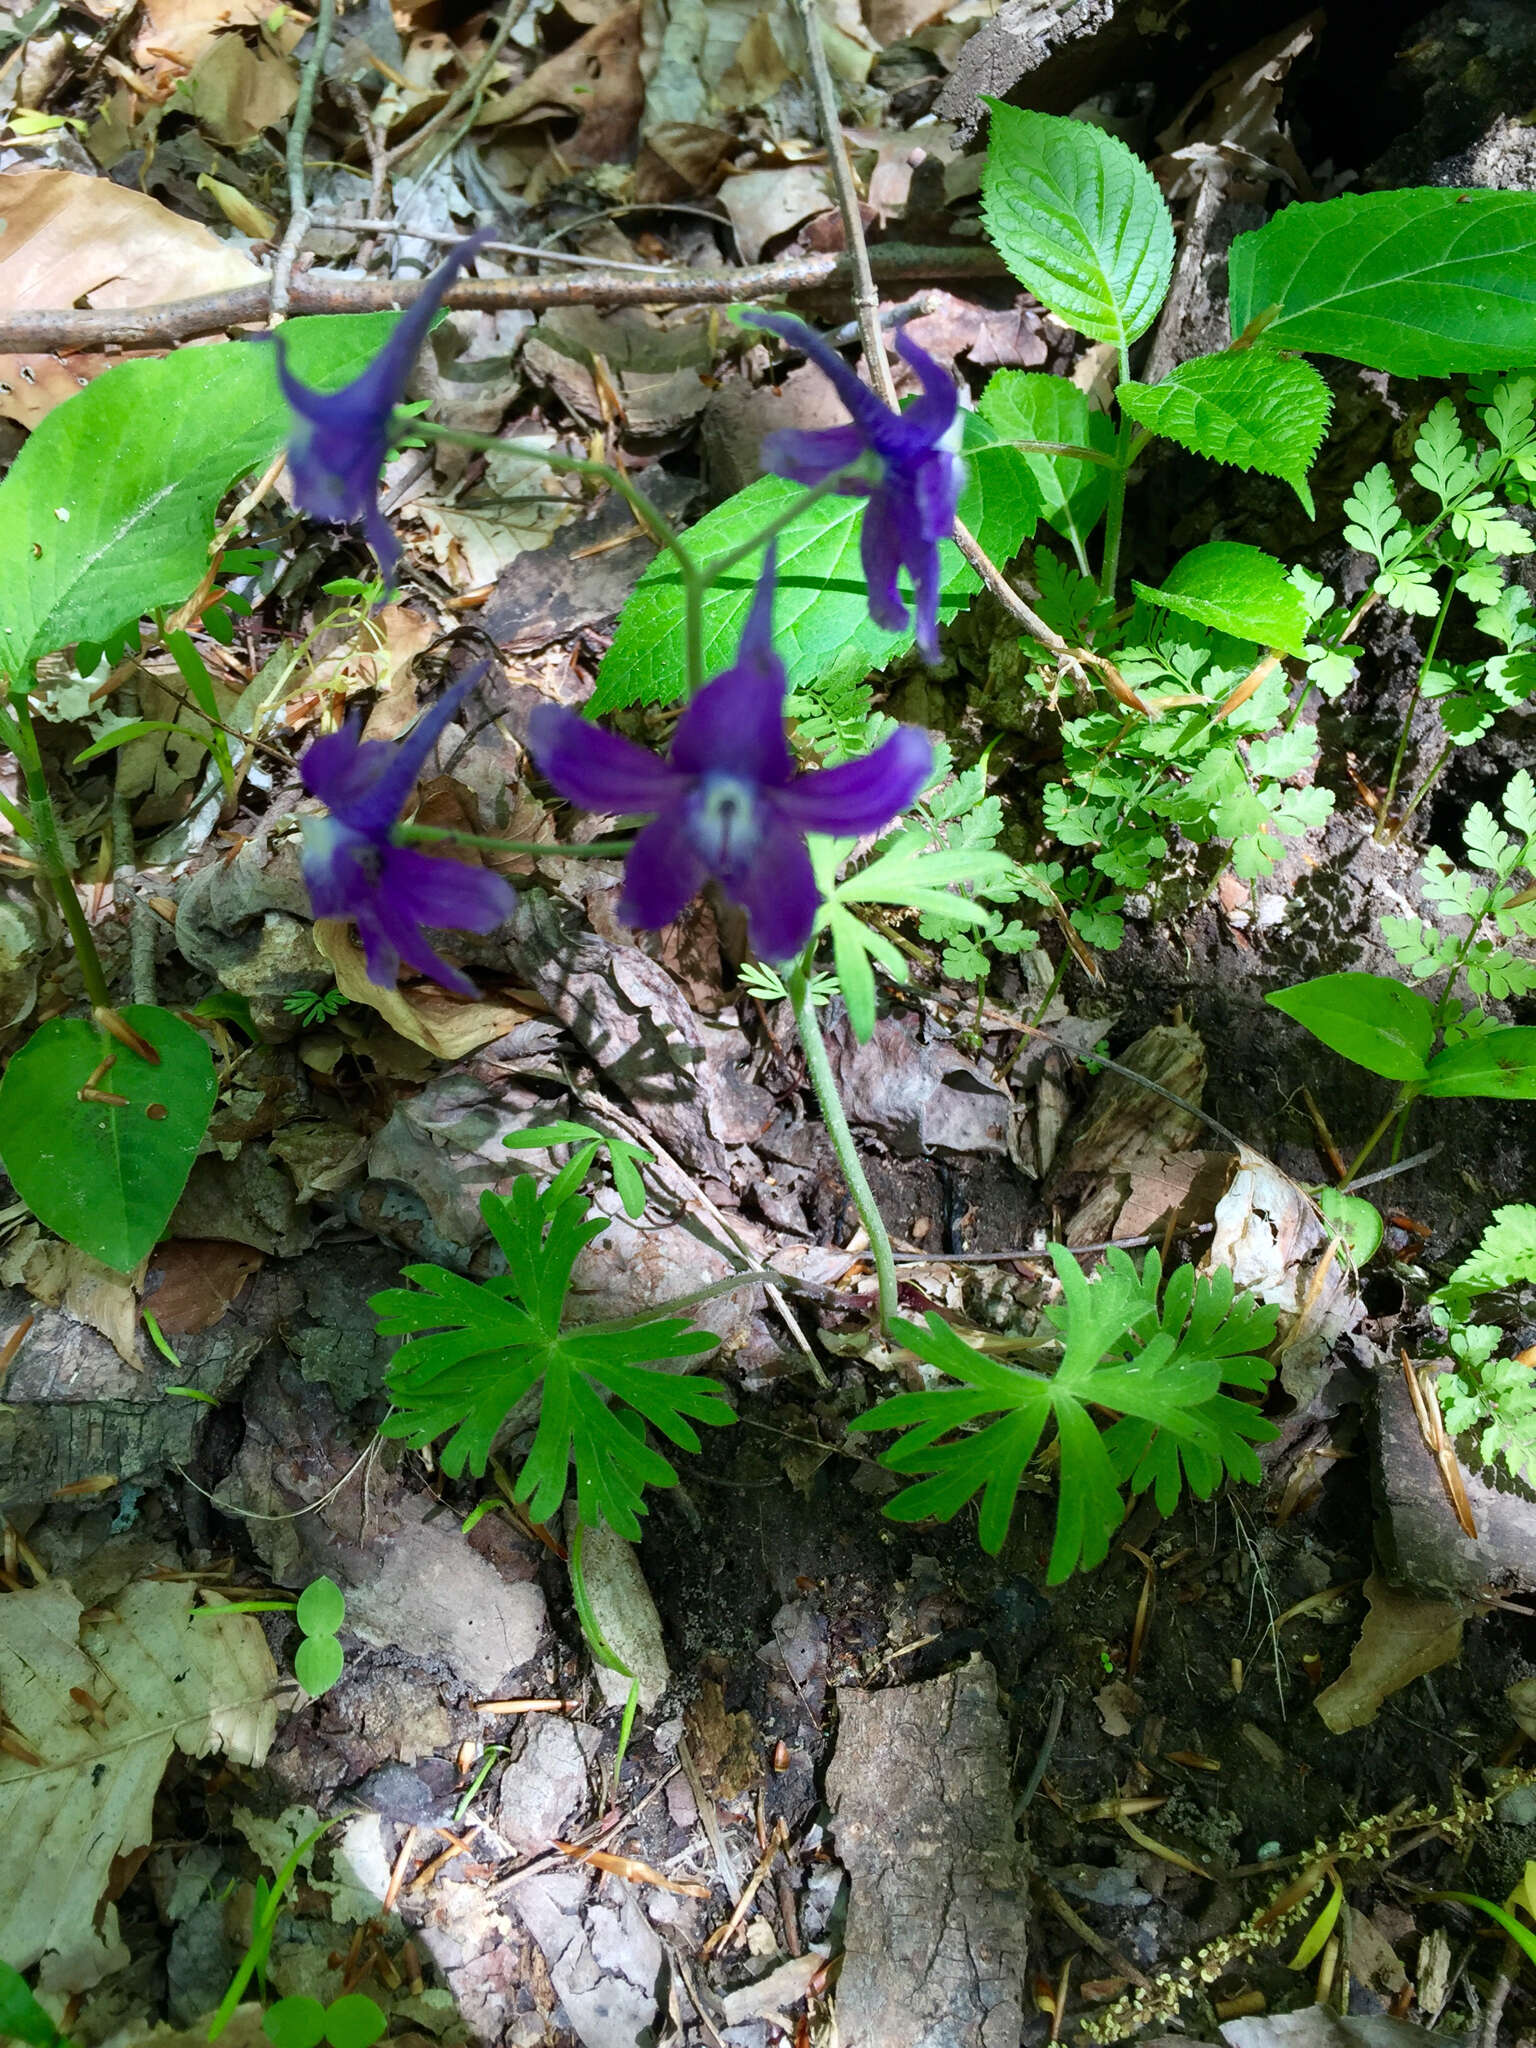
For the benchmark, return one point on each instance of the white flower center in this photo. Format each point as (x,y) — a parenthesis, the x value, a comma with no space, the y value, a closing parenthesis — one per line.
(724,823)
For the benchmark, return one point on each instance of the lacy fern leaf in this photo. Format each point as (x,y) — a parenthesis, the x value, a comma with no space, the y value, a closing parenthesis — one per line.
(474,1349)
(1159,1365)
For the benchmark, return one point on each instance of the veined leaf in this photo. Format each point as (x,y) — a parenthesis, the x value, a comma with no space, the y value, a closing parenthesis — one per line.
(1422,283)
(1496,1063)
(822,628)
(86,543)
(1253,409)
(1079,220)
(1237,589)
(1032,405)
(1377,1023)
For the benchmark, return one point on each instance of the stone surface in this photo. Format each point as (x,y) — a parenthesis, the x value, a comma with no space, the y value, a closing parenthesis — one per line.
(544,1789)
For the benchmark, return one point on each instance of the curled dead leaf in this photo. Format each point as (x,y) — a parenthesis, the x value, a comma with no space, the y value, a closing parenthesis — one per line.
(440,1023)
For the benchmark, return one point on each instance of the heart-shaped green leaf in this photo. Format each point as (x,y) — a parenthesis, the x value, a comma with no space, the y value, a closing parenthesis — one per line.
(106,1175)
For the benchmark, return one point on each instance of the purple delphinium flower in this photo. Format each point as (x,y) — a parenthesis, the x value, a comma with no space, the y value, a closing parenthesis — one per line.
(727,801)
(919,474)
(353,868)
(340,439)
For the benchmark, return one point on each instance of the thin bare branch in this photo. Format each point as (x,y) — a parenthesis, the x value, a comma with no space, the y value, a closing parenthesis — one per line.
(68,327)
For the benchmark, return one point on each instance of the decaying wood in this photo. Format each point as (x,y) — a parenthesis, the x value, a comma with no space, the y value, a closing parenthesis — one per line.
(938,1916)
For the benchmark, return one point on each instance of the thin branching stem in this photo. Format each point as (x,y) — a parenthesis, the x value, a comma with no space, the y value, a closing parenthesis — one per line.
(298,137)
(50,853)
(819,1068)
(1384,821)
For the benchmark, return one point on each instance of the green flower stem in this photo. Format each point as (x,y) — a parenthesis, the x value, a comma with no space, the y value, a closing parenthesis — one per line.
(50,854)
(696,579)
(1114,511)
(833,1116)
(1427,784)
(1384,821)
(723,564)
(1398,1109)
(437,835)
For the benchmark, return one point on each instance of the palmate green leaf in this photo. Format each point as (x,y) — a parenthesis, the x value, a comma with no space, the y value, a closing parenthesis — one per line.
(1160,1366)
(86,543)
(1422,283)
(474,1350)
(1236,589)
(910,875)
(1032,405)
(1253,409)
(1079,220)
(1376,1022)
(821,624)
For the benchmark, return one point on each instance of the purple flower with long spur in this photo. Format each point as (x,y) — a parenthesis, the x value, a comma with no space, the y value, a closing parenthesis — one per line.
(918,473)
(353,868)
(727,801)
(340,439)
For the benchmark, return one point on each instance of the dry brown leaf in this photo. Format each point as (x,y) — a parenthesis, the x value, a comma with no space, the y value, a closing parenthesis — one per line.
(597,78)
(60,1276)
(766,204)
(442,1024)
(236,92)
(72,240)
(157,1677)
(193,1282)
(1403,1636)
(174,34)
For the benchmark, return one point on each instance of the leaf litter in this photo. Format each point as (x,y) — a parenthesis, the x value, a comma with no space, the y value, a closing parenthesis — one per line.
(704,95)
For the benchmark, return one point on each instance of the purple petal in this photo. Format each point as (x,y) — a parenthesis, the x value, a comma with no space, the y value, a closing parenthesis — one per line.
(936,487)
(881,552)
(936,409)
(367,783)
(662,874)
(389,938)
(596,769)
(860,796)
(865,407)
(779,893)
(436,889)
(805,455)
(924,571)
(340,445)
(410,755)
(735,725)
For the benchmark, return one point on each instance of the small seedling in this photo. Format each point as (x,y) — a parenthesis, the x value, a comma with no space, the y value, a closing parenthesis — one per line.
(311,1009)
(351,2021)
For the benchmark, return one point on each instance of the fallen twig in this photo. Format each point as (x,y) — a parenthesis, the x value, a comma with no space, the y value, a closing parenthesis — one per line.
(91,327)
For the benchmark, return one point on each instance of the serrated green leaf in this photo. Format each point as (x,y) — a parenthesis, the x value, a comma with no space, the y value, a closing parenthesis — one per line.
(1032,405)
(1424,282)
(1236,589)
(1377,1023)
(822,630)
(86,543)
(1079,220)
(1253,409)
